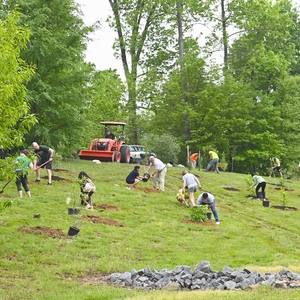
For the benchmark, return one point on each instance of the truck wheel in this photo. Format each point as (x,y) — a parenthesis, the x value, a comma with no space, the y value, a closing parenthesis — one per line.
(125,154)
(117,156)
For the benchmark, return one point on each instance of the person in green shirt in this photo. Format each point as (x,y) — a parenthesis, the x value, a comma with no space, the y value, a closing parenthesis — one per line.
(259,183)
(23,164)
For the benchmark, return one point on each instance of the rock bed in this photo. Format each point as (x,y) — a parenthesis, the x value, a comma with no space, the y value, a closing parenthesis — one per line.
(203,278)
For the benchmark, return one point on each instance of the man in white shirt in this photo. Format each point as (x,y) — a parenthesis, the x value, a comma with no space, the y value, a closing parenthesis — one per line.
(159,173)
(209,199)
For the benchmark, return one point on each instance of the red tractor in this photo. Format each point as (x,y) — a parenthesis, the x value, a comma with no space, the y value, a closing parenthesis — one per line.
(110,148)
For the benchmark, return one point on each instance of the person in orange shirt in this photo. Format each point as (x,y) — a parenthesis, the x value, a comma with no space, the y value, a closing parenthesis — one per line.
(193,159)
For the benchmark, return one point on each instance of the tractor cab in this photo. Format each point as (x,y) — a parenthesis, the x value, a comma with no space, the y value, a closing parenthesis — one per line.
(111,147)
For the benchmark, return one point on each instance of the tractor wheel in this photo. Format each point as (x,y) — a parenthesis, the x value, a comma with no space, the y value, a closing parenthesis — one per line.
(125,154)
(117,156)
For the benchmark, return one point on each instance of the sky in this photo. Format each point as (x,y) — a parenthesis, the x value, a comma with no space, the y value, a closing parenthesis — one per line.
(99,52)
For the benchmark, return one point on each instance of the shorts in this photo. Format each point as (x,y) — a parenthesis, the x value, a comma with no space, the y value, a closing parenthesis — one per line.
(277,169)
(193,189)
(48,166)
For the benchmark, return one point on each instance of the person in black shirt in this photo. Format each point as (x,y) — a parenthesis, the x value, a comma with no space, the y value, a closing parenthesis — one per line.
(134,177)
(109,135)
(43,160)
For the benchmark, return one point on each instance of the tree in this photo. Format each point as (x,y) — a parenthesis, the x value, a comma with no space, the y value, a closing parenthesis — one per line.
(106,103)
(59,89)
(15,117)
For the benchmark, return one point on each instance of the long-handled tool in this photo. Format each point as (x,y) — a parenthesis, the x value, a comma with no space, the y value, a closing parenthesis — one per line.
(5,186)
(41,165)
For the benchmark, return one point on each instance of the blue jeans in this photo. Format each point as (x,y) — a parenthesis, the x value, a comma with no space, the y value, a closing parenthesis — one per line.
(214,162)
(213,209)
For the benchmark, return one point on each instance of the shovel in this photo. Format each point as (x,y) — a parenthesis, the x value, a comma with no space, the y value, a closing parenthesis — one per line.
(41,165)
(4,186)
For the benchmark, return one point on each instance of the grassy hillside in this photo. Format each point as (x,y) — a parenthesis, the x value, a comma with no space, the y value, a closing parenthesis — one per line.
(139,228)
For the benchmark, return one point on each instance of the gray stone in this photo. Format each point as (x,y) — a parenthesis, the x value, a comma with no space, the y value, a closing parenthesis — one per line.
(230,285)
(162,282)
(126,278)
(293,276)
(203,266)
(283,272)
(114,276)
(203,278)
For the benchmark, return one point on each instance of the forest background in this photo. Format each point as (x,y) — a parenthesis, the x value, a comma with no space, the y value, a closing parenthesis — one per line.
(173,94)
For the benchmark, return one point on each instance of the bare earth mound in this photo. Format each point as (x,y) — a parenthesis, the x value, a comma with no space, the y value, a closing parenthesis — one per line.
(47,231)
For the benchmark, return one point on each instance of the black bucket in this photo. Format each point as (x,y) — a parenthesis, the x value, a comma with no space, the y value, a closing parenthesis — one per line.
(266,203)
(73,211)
(208,215)
(146,177)
(73,231)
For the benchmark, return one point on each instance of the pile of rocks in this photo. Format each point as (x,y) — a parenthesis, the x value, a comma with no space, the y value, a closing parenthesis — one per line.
(203,278)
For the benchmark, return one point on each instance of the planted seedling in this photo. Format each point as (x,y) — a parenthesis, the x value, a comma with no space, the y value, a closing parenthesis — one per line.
(199,213)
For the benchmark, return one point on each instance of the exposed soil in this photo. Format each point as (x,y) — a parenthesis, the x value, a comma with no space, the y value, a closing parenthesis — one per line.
(94,278)
(290,208)
(60,170)
(97,219)
(286,189)
(106,206)
(231,189)
(47,231)
(208,223)
(150,190)
(56,178)
(4,196)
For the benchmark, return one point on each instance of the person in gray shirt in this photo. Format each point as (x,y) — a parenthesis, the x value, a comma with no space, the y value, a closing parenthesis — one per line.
(209,199)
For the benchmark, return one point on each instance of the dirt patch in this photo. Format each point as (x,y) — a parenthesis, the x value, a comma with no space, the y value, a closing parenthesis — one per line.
(96,220)
(56,178)
(43,230)
(231,189)
(4,196)
(208,223)
(60,170)
(284,207)
(106,206)
(150,190)
(286,189)
(94,278)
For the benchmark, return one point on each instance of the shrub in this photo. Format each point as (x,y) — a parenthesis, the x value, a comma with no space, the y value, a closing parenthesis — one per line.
(199,213)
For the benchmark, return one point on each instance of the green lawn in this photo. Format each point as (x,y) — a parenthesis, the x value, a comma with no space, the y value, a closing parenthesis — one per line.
(147,229)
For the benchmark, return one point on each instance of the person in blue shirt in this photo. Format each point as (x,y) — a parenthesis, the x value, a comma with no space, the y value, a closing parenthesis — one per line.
(134,177)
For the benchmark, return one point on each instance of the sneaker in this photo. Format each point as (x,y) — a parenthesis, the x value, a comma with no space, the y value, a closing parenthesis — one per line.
(49,183)
(258,199)
(133,187)
(128,188)
(37,180)
(88,206)
(218,223)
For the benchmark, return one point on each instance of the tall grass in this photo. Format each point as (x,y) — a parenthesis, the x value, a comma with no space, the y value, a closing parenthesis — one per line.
(154,235)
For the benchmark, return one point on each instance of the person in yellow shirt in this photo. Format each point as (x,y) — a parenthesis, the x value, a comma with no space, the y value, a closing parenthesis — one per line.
(182,196)
(276,166)
(214,160)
